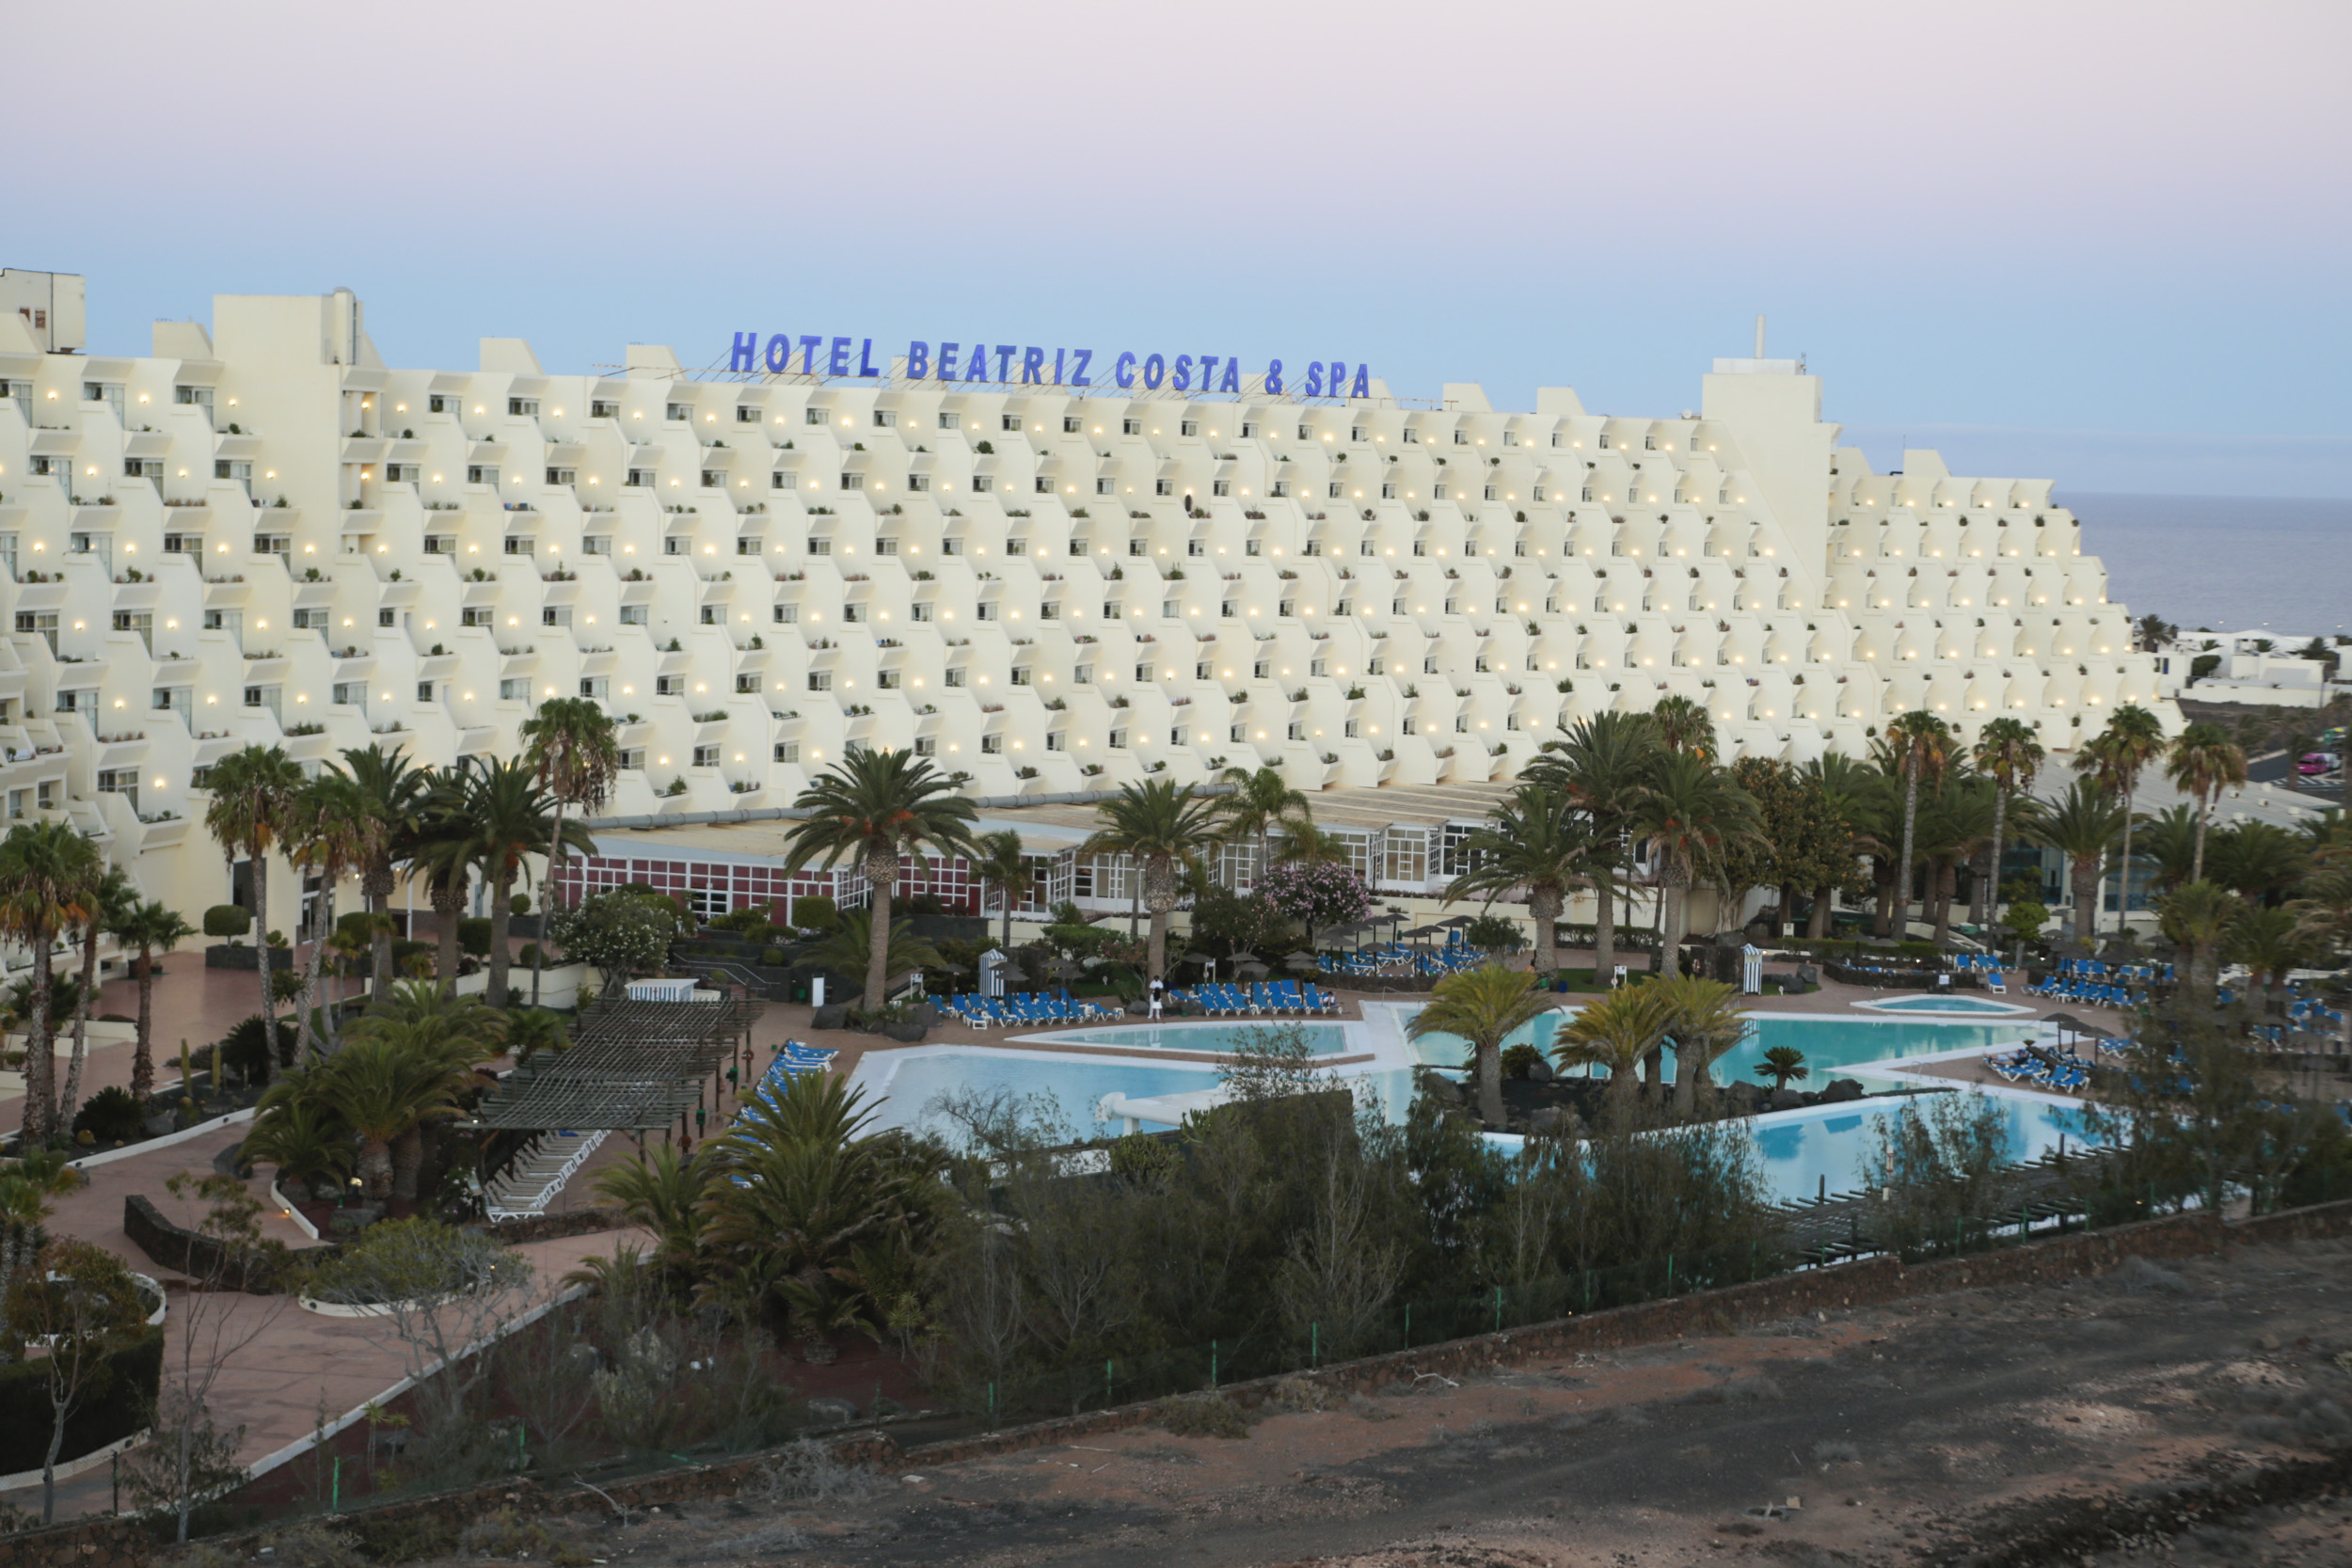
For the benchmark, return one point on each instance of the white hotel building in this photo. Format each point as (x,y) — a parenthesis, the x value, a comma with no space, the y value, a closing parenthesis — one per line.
(262,532)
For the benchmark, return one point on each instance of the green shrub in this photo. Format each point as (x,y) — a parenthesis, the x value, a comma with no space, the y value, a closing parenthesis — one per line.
(750,920)
(1516,1059)
(1203,1416)
(246,1049)
(125,1389)
(518,904)
(1138,1154)
(528,956)
(111,1115)
(474,937)
(771,957)
(1493,931)
(227,920)
(814,913)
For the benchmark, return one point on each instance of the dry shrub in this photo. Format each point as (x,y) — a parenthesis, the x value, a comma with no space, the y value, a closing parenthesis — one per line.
(1302,1394)
(808,1472)
(1203,1416)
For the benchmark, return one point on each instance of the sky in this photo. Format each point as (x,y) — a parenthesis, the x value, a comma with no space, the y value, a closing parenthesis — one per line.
(2095,241)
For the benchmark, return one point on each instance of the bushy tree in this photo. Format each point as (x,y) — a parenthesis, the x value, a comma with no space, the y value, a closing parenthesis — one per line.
(1315,893)
(624,933)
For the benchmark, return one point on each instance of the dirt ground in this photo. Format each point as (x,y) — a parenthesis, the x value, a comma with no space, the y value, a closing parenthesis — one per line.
(2120,1420)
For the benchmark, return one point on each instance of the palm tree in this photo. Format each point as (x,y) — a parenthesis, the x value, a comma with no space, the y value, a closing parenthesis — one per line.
(511,816)
(151,928)
(2324,914)
(1533,838)
(301,1138)
(1603,766)
(49,875)
(1709,1019)
(2269,942)
(1164,829)
(2116,757)
(1920,744)
(662,1190)
(1003,869)
(113,894)
(2008,752)
(330,830)
(1863,798)
(847,946)
(1784,1065)
(1618,1031)
(442,851)
(2202,763)
(2197,916)
(1690,812)
(2085,824)
(875,807)
(384,1090)
(1683,725)
(1484,1006)
(394,790)
(1955,826)
(251,791)
(1261,801)
(571,744)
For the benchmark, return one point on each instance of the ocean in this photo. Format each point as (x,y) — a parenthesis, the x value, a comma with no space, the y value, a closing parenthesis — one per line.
(2232,565)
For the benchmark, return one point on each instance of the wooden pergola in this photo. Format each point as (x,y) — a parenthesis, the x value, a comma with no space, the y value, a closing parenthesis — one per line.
(632,1067)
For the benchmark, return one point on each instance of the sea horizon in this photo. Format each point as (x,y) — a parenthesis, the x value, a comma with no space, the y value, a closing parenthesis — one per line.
(2224,562)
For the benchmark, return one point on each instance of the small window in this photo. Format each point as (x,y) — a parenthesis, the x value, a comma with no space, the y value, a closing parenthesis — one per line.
(1188,427)
(523,407)
(954,674)
(820,546)
(787,751)
(705,756)
(1131,427)
(1069,424)
(678,411)
(787,614)
(821,680)
(814,416)
(991,745)
(598,409)
(1009,421)
(669,685)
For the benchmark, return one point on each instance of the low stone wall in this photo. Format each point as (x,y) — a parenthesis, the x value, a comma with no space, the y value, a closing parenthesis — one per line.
(172,1245)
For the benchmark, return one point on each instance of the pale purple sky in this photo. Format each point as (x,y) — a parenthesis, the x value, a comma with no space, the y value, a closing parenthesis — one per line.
(2100,240)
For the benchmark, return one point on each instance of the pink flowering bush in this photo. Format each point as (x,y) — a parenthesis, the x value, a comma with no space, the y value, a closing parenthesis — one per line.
(1316,895)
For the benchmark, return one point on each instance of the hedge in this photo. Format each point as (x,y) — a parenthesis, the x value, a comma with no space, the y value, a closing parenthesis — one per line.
(117,1408)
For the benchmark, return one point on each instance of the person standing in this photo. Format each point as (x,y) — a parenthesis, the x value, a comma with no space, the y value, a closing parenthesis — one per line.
(1155,993)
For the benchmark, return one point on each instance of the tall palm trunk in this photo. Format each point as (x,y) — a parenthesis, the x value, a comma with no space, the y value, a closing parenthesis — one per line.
(502,925)
(555,866)
(1882,896)
(2000,821)
(71,1100)
(2123,873)
(1159,898)
(1903,868)
(1544,903)
(143,1047)
(1489,1062)
(1604,928)
(1005,941)
(2204,809)
(1946,872)
(260,859)
(376,888)
(375,1167)
(881,881)
(1817,925)
(407,1152)
(40,1059)
(305,1037)
(449,897)
(2087,879)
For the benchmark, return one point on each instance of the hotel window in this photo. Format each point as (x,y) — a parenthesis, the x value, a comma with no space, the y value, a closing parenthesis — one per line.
(1461,437)
(821,680)
(384,617)
(639,479)
(746,414)
(439,403)
(1188,427)
(1054,740)
(980,484)
(885,419)
(926,747)
(820,546)
(886,680)
(1540,493)
(787,614)
(1102,487)
(813,416)
(635,615)
(303,620)
(1356,433)
(1220,487)
(991,745)
(1297,729)
(1016,547)
(350,693)
(1083,675)
(714,478)
(1491,493)
(519,545)
(951,547)
(746,684)
(474,617)
(1510,437)
(600,409)
(920,483)
(633,758)
(786,751)
(1131,427)
(1069,424)
(523,407)
(953,675)
(272,544)
(1009,421)
(1337,488)
(515,690)
(1250,430)
(1162,487)
(678,411)
(1412,437)
(1388,491)
(556,615)
(985,612)
(677,545)
(946,421)
(1021,675)
(919,610)
(1143,673)
(555,476)
(885,546)
(481,473)
(705,756)
(1118,741)
(749,544)
(1042,485)
(594,687)
(1282,488)
(855,614)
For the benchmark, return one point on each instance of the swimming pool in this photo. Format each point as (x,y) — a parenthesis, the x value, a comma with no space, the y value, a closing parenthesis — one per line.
(1948,1005)
(905,1087)
(1324,1040)
(1829,1045)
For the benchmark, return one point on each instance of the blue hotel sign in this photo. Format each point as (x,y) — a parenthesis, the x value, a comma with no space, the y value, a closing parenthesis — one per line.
(1012,365)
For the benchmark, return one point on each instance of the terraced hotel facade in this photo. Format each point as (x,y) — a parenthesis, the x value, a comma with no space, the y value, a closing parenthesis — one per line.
(260,533)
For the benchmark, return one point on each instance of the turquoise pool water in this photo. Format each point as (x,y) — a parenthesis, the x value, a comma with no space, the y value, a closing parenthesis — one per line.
(1800,1150)
(1948,1005)
(1830,1045)
(1324,1040)
(1063,1092)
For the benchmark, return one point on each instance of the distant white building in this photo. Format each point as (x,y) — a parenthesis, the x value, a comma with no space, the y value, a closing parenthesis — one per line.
(263,532)
(2258,668)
